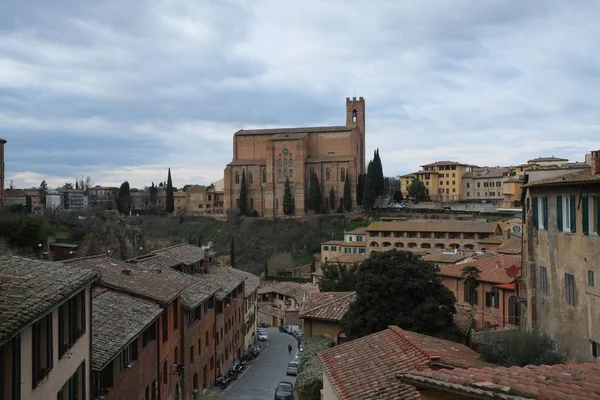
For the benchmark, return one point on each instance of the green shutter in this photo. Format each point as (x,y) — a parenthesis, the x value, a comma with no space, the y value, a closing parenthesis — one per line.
(559,213)
(573,219)
(545,211)
(585,215)
(534,211)
(597,215)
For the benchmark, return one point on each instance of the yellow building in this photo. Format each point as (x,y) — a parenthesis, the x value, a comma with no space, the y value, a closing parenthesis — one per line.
(354,244)
(442,180)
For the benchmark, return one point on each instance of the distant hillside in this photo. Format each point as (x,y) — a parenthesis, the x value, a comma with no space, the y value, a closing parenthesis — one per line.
(255,239)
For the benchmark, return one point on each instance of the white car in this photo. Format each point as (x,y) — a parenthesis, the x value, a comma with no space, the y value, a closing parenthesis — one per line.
(263,337)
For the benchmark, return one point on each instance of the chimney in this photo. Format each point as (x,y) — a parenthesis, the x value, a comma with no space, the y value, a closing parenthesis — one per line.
(206,262)
(507,234)
(596,162)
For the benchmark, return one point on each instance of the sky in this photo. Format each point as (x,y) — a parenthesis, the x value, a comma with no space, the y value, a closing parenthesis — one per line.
(122,90)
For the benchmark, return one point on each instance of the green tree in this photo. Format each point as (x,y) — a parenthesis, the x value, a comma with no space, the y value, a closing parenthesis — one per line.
(398,198)
(170,200)
(338,277)
(347,196)
(369,188)
(309,381)
(332,199)
(288,206)
(314,193)
(232,253)
(22,230)
(67,186)
(124,199)
(360,184)
(243,195)
(398,288)
(378,178)
(470,279)
(416,190)
(153,194)
(266,269)
(519,348)
(43,192)
(313,265)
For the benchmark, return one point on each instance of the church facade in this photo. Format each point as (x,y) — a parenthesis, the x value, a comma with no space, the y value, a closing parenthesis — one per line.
(269,156)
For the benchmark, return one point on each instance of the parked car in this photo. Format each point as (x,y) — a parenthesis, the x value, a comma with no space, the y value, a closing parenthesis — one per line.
(261,330)
(283,328)
(263,337)
(292,368)
(298,357)
(397,206)
(291,329)
(284,391)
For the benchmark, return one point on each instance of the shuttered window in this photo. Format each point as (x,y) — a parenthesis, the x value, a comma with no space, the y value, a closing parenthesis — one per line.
(585,222)
(543,280)
(570,289)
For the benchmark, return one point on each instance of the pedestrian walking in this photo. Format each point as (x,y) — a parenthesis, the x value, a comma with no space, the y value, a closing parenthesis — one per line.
(290,348)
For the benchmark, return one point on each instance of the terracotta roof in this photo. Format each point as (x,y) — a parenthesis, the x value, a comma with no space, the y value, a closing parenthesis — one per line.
(444,163)
(29,289)
(289,136)
(513,180)
(118,319)
(321,159)
(358,231)
(428,225)
(312,129)
(582,176)
(347,258)
(120,275)
(248,162)
(511,246)
(546,159)
(492,240)
(291,289)
(330,306)
(185,253)
(491,269)
(15,193)
(464,318)
(342,243)
(251,281)
(445,258)
(156,261)
(491,172)
(364,368)
(223,277)
(544,382)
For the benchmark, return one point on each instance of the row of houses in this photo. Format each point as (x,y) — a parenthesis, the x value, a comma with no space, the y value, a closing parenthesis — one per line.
(162,326)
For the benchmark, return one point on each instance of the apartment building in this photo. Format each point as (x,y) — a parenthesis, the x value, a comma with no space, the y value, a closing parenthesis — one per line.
(322,313)
(124,346)
(494,300)
(274,298)
(354,243)
(162,289)
(205,199)
(45,330)
(251,284)
(484,184)
(561,243)
(429,235)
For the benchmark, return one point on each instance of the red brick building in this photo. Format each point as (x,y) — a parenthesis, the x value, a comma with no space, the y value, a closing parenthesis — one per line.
(124,347)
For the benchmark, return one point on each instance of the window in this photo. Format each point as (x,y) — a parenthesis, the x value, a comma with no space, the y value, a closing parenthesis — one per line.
(327,175)
(206,338)
(595,215)
(595,349)
(264,175)
(565,213)
(470,297)
(279,163)
(71,322)
(454,182)
(343,175)
(333,248)
(291,164)
(237,178)
(285,163)
(192,353)
(539,211)
(291,173)
(149,335)
(492,298)
(74,388)
(447,182)
(361,251)
(41,354)
(165,326)
(102,381)
(279,173)
(175,316)
(325,248)
(468,194)
(285,173)
(250,177)
(590,278)
(129,355)
(543,279)
(570,289)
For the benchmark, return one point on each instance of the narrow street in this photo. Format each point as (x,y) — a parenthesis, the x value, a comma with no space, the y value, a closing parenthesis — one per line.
(261,376)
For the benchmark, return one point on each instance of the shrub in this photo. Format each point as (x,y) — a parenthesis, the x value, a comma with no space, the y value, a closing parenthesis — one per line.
(23,230)
(519,348)
(309,381)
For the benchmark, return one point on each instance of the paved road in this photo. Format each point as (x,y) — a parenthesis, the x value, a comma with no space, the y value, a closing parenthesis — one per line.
(262,375)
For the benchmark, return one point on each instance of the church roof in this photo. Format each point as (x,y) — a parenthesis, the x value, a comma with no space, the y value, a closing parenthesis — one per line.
(312,129)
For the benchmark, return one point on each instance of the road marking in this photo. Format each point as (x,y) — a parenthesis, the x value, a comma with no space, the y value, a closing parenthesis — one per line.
(238,378)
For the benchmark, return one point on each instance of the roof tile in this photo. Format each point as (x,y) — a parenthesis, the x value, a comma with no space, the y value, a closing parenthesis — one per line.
(329,306)
(493,269)
(427,225)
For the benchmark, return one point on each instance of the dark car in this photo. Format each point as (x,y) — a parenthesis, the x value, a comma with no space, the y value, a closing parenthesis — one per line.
(284,391)
(283,328)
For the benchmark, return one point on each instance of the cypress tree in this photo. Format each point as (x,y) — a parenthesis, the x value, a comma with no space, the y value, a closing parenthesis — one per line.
(378,178)
(124,198)
(315,196)
(347,196)
(170,197)
(369,188)
(332,200)
(243,195)
(288,208)
(359,189)
(232,253)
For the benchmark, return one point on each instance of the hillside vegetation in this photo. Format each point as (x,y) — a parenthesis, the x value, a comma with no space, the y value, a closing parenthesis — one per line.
(255,239)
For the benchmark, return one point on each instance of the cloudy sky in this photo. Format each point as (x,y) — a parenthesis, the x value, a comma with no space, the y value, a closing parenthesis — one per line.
(121,89)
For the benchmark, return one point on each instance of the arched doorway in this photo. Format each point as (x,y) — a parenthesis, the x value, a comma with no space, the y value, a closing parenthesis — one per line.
(514,311)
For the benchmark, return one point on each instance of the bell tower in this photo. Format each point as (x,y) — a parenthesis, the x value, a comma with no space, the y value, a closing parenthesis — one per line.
(355,115)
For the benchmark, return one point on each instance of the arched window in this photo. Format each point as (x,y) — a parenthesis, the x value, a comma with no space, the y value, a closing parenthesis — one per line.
(343,175)
(291,164)
(353,115)
(250,177)
(279,173)
(425,245)
(209,197)
(264,175)
(285,151)
(374,244)
(291,173)
(327,175)
(279,163)
(285,163)
(285,174)
(492,298)
(237,178)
